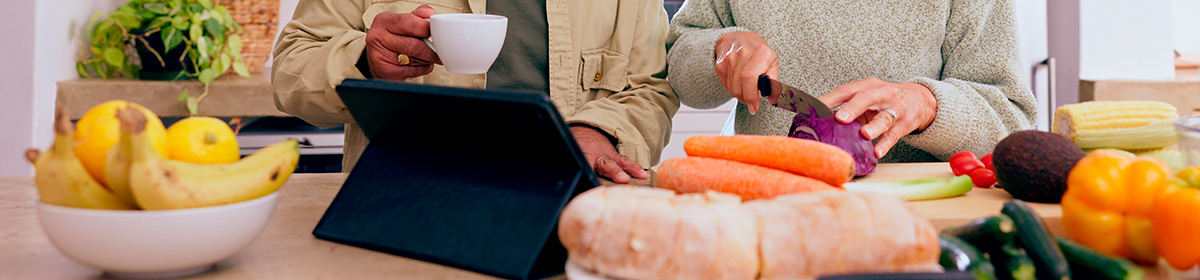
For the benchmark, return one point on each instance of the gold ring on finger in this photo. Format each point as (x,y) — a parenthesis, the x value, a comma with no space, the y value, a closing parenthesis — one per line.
(403,60)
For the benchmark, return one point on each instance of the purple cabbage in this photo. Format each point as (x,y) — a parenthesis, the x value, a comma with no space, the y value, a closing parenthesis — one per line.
(831,131)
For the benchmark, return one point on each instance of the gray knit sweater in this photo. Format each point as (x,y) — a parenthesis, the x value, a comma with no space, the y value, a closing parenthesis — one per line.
(965,51)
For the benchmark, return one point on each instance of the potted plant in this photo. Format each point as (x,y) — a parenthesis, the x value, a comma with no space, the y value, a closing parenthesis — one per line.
(165,40)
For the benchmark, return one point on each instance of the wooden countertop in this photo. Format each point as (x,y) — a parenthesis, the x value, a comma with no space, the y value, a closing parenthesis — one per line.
(229,96)
(288,250)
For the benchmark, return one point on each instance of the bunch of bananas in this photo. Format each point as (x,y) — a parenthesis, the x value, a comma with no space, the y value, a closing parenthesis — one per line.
(136,176)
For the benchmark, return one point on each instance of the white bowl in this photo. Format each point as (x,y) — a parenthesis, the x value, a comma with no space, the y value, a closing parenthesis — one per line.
(160,243)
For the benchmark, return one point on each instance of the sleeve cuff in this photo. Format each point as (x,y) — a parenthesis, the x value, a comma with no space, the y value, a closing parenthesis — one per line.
(944,136)
(628,138)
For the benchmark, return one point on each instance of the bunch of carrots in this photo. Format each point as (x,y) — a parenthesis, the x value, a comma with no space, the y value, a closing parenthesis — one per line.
(755,166)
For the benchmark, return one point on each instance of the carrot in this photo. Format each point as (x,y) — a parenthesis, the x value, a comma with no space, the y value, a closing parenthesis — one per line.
(697,174)
(812,159)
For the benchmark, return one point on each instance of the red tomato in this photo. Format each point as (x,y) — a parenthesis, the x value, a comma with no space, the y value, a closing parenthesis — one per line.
(987,162)
(965,165)
(983,178)
(962,154)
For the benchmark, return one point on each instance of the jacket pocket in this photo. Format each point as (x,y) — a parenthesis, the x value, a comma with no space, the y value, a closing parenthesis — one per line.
(603,69)
(404,6)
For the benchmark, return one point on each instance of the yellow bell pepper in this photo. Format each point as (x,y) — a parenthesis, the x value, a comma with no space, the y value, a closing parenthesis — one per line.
(1109,201)
(1176,218)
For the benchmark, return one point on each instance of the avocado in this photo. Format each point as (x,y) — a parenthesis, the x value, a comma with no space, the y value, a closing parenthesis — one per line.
(1033,165)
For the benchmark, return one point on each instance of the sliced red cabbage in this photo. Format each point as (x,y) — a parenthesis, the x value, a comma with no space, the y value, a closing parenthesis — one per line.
(831,131)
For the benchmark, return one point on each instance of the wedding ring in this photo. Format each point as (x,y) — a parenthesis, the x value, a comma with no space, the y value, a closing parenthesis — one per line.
(893,113)
(403,59)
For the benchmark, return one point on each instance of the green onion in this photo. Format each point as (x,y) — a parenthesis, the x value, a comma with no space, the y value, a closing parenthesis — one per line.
(917,189)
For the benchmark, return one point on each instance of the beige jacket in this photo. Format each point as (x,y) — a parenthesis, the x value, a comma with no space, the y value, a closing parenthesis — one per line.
(607,66)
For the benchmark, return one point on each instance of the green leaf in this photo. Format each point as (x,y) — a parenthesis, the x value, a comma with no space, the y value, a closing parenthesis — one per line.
(145,14)
(97,51)
(128,20)
(202,46)
(177,3)
(226,62)
(207,76)
(102,27)
(194,32)
(195,8)
(82,69)
(184,95)
(214,27)
(235,43)
(159,22)
(114,56)
(179,22)
(95,16)
(241,70)
(207,4)
(158,8)
(100,71)
(192,104)
(172,37)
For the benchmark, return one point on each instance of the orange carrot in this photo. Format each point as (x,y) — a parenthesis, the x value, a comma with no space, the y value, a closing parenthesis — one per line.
(697,174)
(812,159)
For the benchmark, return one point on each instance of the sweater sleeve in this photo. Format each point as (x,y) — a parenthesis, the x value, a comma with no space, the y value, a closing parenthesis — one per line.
(981,95)
(692,40)
(316,51)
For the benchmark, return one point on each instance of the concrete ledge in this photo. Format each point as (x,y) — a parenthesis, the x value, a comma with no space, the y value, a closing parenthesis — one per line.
(230,96)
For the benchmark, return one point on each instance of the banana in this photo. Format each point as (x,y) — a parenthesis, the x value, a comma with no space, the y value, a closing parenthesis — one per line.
(116,168)
(61,178)
(158,183)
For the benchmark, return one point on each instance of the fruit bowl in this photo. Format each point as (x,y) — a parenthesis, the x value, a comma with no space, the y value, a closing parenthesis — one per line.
(159,243)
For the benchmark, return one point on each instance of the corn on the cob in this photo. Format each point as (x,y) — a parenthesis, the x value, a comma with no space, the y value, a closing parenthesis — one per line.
(1171,157)
(1129,125)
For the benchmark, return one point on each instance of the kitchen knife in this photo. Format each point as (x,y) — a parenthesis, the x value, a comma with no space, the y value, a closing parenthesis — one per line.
(792,99)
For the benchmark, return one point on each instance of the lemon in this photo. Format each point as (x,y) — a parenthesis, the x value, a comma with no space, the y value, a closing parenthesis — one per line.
(202,140)
(99,130)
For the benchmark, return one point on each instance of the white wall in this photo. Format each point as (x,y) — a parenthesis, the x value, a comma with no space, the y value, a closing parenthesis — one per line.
(40,49)
(1185,24)
(16,78)
(1126,40)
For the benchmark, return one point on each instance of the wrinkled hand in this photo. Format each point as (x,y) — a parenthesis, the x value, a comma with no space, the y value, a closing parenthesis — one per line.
(867,101)
(393,34)
(740,58)
(603,157)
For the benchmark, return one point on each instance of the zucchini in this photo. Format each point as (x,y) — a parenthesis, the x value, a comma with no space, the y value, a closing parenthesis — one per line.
(986,233)
(1033,237)
(1011,262)
(957,255)
(1090,264)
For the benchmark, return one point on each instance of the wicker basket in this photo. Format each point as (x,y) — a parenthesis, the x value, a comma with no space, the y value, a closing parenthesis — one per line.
(259,18)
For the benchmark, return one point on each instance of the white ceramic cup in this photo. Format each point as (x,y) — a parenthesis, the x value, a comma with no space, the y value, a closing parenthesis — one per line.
(467,43)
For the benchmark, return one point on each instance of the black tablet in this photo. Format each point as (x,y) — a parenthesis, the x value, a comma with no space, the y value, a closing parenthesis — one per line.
(469,178)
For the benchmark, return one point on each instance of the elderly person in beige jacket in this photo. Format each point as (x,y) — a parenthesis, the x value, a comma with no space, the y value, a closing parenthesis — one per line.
(602,62)
(926,78)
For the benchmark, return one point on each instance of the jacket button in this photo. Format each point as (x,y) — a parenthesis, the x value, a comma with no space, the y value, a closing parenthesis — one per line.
(597,78)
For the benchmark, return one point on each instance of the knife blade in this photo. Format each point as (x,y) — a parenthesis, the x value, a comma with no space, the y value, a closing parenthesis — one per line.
(791,98)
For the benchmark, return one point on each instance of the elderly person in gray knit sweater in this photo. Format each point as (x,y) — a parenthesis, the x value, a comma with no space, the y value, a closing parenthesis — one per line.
(926,78)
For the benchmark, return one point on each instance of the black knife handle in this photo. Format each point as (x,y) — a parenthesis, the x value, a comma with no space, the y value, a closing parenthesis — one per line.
(764,85)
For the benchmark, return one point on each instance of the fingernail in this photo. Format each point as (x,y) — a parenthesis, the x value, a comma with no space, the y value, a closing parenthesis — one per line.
(879,152)
(843,116)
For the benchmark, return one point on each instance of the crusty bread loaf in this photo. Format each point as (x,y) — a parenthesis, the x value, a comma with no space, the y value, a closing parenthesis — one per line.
(630,232)
(828,233)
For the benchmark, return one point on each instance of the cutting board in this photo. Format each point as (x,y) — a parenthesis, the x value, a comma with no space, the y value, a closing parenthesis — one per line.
(956,211)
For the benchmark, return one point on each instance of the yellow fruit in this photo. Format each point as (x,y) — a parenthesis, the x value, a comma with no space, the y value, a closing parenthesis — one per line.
(202,140)
(99,130)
